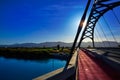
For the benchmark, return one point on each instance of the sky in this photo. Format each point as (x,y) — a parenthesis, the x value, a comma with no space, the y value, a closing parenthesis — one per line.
(36,21)
(39,20)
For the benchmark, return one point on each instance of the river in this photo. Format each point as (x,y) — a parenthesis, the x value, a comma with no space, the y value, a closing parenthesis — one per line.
(16,69)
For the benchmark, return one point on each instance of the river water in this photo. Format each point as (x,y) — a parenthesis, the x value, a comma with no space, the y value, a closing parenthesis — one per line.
(16,69)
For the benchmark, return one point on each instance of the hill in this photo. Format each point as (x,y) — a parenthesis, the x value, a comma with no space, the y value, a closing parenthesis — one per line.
(63,44)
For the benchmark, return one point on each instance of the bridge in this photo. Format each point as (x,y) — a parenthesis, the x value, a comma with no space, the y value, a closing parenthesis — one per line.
(100,60)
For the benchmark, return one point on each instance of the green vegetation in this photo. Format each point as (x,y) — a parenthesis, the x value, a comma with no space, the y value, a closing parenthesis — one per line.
(31,53)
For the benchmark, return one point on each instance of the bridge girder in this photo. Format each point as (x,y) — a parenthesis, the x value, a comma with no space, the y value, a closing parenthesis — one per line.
(100,7)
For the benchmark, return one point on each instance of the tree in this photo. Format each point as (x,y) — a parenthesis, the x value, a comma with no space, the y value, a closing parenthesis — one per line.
(58,46)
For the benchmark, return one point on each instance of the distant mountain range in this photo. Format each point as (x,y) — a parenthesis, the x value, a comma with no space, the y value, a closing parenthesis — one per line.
(54,44)
(44,44)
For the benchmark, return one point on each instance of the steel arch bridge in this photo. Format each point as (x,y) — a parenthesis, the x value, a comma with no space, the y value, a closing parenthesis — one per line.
(99,8)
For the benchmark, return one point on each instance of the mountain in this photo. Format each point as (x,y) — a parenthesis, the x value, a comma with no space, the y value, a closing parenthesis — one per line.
(45,44)
(54,44)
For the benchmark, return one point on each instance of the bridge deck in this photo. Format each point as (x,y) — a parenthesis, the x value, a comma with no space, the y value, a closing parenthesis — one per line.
(90,68)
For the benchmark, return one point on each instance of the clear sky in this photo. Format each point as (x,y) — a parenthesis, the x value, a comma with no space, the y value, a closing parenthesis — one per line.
(26,21)
(39,20)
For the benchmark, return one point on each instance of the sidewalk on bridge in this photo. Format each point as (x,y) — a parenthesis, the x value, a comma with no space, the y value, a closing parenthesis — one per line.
(90,68)
(109,58)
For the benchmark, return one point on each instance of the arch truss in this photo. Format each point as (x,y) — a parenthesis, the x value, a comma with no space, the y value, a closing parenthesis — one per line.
(99,8)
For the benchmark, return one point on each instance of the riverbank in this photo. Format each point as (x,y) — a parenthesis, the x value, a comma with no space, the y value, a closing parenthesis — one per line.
(34,53)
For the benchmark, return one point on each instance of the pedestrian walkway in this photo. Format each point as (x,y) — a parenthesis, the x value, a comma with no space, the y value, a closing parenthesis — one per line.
(90,68)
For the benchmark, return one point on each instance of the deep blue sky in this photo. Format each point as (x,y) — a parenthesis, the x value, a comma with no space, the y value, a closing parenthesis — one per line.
(38,21)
